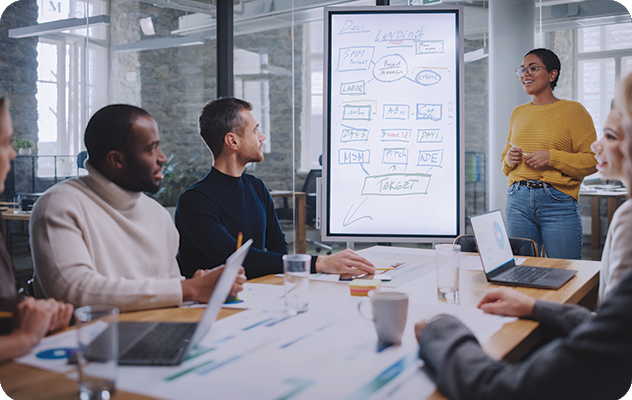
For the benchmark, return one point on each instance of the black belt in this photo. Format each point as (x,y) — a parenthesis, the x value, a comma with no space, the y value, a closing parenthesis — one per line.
(533,184)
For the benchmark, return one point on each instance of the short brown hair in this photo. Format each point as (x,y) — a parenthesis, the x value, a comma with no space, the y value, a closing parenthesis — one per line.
(218,117)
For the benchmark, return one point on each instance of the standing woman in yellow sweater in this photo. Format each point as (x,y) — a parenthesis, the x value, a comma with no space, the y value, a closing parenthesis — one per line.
(549,157)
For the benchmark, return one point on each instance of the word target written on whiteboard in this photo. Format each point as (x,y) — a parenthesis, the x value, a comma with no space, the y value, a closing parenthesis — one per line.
(393,169)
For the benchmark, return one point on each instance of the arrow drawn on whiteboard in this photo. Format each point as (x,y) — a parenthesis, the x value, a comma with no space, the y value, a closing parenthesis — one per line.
(348,218)
(429,169)
(393,168)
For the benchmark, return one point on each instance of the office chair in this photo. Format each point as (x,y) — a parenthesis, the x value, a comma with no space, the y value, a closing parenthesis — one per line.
(81,159)
(309,188)
(519,246)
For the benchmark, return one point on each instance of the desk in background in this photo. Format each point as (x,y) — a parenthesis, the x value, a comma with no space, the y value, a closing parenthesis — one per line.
(510,343)
(13,214)
(612,197)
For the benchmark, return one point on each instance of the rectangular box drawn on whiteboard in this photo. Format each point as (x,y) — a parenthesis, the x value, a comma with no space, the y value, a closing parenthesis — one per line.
(357,113)
(433,112)
(429,47)
(353,88)
(356,58)
(396,111)
(395,156)
(350,134)
(429,136)
(430,158)
(396,184)
(354,156)
(396,135)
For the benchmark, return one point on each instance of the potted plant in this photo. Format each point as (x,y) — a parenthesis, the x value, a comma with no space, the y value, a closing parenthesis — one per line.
(176,181)
(64,166)
(24,146)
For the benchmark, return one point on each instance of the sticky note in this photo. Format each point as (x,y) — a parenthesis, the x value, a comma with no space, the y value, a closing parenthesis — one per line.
(361,287)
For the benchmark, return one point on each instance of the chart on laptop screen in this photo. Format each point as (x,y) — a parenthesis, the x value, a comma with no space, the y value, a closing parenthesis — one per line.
(491,239)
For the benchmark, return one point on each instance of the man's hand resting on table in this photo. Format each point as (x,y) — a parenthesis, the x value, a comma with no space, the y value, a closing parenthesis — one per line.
(347,262)
(200,287)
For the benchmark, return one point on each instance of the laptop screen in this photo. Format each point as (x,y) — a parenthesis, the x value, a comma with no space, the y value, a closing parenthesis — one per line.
(220,292)
(491,239)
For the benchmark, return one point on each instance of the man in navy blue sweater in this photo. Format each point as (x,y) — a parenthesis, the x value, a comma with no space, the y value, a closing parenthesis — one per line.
(212,212)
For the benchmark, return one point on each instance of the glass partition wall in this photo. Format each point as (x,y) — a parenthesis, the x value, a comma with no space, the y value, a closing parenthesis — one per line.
(64,60)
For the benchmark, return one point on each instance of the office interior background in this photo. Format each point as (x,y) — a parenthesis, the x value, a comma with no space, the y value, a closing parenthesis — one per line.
(62,60)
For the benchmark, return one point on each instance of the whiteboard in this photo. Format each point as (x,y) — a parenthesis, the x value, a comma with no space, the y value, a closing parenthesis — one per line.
(393,158)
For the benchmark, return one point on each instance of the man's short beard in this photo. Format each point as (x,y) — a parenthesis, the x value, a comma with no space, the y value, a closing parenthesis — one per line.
(133,184)
(134,180)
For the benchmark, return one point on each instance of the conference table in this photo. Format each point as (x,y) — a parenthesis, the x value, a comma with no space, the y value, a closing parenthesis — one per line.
(510,343)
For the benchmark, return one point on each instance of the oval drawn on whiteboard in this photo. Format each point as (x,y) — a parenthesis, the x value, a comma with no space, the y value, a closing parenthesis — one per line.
(427,77)
(390,68)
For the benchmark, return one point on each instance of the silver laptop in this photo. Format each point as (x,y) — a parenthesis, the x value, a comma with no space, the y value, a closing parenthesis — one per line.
(498,259)
(167,343)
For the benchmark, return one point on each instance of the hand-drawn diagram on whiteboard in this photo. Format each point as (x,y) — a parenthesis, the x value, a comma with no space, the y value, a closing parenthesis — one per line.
(393,140)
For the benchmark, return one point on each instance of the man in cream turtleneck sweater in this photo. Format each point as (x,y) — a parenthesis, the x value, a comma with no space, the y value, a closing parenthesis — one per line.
(98,239)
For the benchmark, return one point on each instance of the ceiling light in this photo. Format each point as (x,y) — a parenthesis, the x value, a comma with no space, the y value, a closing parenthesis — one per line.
(147,26)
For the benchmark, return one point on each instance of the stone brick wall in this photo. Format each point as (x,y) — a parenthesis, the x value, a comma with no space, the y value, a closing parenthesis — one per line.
(18,80)
(276,169)
(124,80)
(176,82)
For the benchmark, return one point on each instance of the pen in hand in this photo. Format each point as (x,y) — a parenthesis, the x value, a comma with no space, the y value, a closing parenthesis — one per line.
(513,145)
(240,239)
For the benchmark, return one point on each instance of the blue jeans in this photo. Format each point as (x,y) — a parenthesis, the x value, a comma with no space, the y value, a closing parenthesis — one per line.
(547,216)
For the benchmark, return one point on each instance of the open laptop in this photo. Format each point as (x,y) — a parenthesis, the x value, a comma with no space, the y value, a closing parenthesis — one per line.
(498,259)
(166,343)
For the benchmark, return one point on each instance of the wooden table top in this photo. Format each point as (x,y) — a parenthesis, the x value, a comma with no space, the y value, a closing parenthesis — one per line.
(510,342)
(16,215)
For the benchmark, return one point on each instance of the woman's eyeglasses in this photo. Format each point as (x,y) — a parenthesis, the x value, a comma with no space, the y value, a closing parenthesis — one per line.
(531,69)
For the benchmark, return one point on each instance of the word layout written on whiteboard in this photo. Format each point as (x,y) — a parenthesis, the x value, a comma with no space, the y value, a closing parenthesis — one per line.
(392,136)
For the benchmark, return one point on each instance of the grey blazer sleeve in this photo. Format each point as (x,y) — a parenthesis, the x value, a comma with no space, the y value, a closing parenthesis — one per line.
(592,362)
(558,319)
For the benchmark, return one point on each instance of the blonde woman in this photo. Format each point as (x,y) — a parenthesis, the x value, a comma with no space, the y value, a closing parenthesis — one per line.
(23,322)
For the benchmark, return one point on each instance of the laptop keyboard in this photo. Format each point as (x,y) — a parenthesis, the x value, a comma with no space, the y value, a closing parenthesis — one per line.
(164,342)
(523,274)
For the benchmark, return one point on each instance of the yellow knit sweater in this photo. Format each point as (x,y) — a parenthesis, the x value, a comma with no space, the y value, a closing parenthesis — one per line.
(565,129)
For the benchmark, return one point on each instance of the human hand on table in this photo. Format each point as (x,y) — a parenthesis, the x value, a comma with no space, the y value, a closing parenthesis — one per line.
(36,318)
(347,262)
(421,325)
(508,302)
(538,158)
(200,287)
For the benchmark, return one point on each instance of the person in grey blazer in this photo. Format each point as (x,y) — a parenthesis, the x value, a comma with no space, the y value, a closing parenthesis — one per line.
(589,355)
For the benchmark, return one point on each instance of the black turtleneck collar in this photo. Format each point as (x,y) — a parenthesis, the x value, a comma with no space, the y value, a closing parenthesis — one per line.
(226,180)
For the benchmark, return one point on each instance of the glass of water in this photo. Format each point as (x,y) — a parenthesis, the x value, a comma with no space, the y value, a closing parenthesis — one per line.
(296,269)
(97,352)
(448,258)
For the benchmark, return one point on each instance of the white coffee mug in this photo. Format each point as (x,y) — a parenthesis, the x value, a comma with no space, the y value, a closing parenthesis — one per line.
(390,311)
